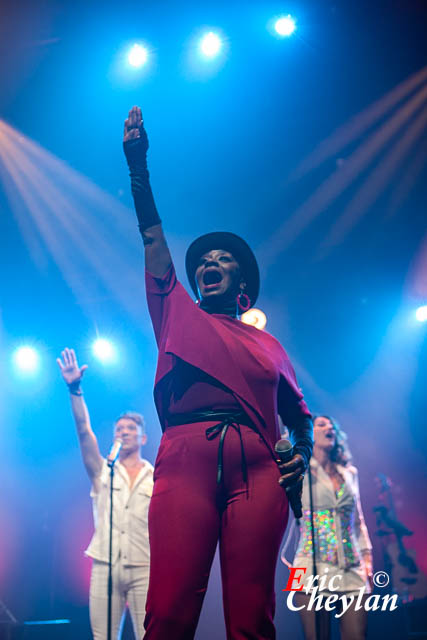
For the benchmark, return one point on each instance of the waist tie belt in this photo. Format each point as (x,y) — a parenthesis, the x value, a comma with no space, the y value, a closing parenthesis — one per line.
(226,419)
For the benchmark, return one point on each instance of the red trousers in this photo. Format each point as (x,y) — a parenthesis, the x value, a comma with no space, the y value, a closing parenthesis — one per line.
(190,513)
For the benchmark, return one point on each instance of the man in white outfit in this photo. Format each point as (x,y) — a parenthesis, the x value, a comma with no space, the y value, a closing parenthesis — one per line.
(132,489)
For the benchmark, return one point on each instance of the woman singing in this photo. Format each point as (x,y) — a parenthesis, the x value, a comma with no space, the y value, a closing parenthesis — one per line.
(219,387)
(343,551)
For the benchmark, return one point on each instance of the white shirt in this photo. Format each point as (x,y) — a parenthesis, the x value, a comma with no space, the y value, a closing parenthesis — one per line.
(130,515)
(341,534)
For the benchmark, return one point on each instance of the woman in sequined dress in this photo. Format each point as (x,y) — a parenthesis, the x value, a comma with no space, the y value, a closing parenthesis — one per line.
(343,547)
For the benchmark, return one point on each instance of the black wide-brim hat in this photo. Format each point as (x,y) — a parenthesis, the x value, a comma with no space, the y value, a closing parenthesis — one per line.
(227,242)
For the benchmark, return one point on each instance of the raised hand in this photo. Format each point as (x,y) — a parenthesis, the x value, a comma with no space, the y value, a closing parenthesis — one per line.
(135,145)
(132,124)
(70,370)
(135,140)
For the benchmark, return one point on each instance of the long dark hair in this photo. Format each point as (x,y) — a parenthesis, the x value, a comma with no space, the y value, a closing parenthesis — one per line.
(340,453)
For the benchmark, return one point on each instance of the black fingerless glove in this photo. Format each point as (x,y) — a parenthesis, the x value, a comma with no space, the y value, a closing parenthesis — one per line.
(302,436)
(136,156)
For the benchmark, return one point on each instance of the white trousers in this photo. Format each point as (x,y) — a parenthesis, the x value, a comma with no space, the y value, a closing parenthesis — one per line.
(130,585)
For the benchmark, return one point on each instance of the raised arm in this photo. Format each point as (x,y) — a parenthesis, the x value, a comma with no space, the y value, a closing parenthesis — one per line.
(72,376)
(135,145)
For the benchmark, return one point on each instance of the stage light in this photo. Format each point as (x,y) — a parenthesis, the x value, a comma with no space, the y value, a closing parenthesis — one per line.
(210,44)
(255,317)
(104,350)
(285,26)
(137,56)
(26,360)
(421,313)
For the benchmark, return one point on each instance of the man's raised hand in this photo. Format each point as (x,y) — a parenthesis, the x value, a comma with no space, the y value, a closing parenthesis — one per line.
(70,370)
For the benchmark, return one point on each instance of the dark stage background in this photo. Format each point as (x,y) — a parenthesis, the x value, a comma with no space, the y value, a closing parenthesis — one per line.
(341,241)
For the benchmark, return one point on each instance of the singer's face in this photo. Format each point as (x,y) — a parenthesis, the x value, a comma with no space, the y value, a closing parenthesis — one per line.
(324,433)
(129,432)
(218,274)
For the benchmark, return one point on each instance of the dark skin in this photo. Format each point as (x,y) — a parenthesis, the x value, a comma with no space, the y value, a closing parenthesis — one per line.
(219,280)
(292,472)
(225,267)
(217,261)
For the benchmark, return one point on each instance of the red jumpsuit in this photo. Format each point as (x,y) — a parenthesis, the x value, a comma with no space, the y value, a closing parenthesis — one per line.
(215,362)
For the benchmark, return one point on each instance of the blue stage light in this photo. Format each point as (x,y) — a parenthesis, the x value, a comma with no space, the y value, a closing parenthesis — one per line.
(137,56)
(104,351)
(26,360)
(285,26)
(421,313)
(210,44)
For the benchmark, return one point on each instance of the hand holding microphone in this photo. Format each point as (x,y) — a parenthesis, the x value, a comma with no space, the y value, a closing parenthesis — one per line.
(292,467)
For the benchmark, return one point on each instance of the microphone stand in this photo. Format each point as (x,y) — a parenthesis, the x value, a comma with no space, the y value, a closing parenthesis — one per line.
(110,550)
(313,548)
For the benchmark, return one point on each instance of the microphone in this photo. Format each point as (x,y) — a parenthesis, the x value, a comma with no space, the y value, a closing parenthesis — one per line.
(114,452)
(285,452)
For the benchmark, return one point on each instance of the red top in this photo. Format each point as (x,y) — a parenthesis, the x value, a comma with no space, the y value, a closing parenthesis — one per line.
(189,389)
(232,358)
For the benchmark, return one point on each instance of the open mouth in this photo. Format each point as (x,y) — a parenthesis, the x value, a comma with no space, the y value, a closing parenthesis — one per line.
(211,277)
(329,435)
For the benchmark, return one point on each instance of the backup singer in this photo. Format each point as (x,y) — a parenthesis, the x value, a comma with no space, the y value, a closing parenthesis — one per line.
(343,547)
(219,386)
(133,486)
